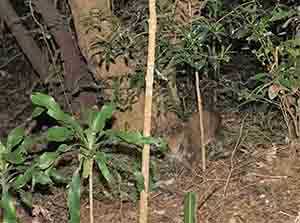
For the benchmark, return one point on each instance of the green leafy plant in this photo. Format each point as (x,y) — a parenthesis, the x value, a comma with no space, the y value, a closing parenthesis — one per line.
(74,198)
(111,40)
(278,53)
(203,45)
(18,169)
(198,44)
(91,139)
(12,163)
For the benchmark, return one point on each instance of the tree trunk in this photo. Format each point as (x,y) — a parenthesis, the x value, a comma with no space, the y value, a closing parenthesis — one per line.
(75,68)
(76,71)
(102,26)
(33,53)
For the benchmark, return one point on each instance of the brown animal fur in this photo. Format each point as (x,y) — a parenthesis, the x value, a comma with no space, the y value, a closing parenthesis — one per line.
(183,138)
(185,141)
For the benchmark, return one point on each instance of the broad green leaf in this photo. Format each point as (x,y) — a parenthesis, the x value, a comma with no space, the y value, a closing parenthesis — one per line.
(59,134)
(54,109)
(26,198)
(153,174)
(14,138)
(138,176)
(59,115)
(64,148)
(286,83)
(88,115)
(37,111)
(27,143)
(21,149)
(101,162)
(280,13)
(68,121)
(74,199)
(261,76)
(46,101)
(41,178)
(133,137)
(101,117)
(198,66)
(47,159)
(2,161)
(58,177)
(14,157)
(9,210)
(190,207)
(22,179)
(86,167)
(91,138)
(128,136)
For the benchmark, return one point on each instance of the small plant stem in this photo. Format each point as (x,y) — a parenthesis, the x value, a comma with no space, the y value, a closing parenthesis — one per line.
(91,201)
(232,156)
(143,218)
(200,108)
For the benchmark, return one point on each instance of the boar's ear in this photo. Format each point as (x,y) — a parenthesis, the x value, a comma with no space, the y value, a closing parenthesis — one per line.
(168,119)
(173,117)
(176,142)
(162,120)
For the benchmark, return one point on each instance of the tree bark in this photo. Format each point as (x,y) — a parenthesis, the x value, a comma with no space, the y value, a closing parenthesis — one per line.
(82,8)
(76,71)
(88,32)
(75,68)
(33,53)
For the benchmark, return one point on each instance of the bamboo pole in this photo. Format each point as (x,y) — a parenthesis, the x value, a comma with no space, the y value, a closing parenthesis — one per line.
(143,218)
(200,109)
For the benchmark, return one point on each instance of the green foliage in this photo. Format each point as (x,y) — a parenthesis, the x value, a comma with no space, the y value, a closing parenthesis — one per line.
(278,50)
(200,44)
(277,53)
(101,161)
(74,198)
(41,170)
(190,207)
(12,164)
(111,40)
(92,138)
(9,211)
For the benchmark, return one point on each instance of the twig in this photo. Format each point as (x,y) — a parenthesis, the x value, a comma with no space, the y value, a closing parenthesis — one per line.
(10,60)
(232,156)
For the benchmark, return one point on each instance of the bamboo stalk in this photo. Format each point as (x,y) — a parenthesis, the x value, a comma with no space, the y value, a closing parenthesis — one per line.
(143,218)
(200,108)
